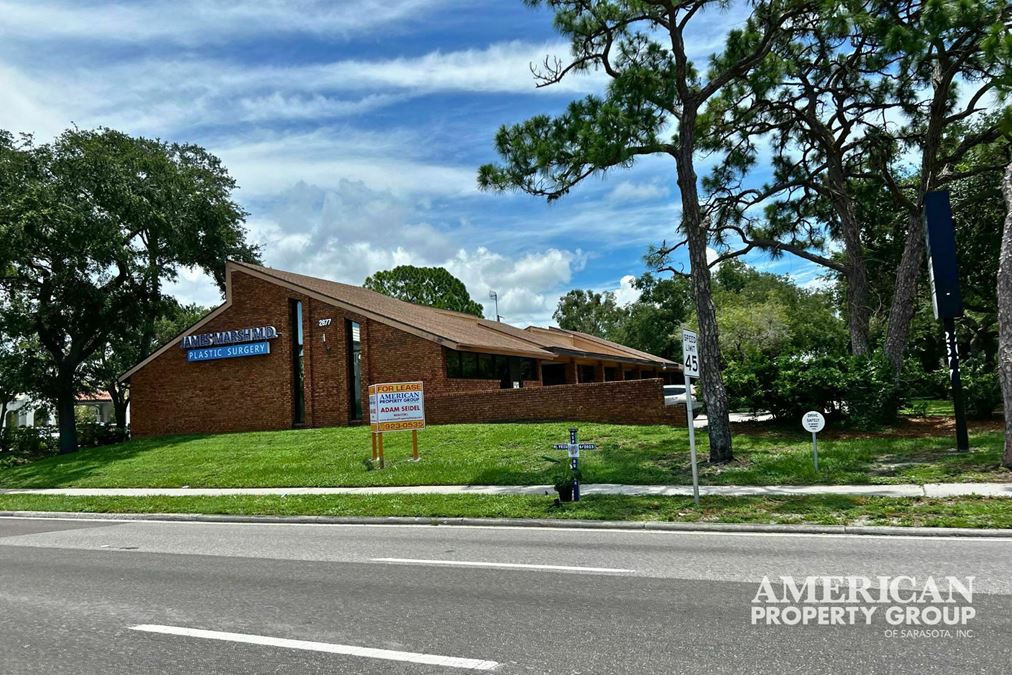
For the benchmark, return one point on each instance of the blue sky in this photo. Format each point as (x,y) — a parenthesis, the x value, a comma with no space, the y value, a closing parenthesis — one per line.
(354,129)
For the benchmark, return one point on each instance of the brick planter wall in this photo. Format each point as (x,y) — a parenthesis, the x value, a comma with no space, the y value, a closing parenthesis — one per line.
(620,402)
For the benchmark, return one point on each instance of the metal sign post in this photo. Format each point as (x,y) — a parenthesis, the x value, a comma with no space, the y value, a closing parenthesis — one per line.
(814,422)
(690,366)
(574,447)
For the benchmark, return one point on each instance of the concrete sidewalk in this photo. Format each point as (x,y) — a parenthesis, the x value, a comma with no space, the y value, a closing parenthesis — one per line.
(907,490)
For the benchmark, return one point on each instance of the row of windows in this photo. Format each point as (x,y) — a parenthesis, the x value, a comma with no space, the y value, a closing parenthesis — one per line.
(473,366)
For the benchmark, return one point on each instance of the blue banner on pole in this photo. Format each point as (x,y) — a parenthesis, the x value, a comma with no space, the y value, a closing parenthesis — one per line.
(228,351)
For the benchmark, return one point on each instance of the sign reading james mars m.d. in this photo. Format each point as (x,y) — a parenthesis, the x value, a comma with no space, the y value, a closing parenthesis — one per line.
(229,337)
(397,406)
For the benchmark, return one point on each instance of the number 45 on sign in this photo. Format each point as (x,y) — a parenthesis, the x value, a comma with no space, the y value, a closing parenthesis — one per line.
(690,353)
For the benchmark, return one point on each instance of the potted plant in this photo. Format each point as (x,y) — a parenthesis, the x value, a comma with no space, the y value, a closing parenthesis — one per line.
(564,478)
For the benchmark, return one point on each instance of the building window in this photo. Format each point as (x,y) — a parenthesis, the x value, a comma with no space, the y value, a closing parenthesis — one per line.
(553,374)
(298,364)
(354,332)
(588,373)
(474,366)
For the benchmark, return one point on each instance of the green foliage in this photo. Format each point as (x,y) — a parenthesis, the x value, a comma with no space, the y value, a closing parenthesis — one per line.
(768,314)
(85,414)
(981,387)
(650,324)
(590,312)
(653,323)
(872,399)
(430,286)
(94,224)
(563,476)
(27,443)
(920,383)
(856,389)
(93,434)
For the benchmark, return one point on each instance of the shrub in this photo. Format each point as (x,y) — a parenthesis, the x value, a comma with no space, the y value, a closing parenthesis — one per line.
(981,388)
(91,435)
(917,382)
(872,397)
(28,442)
(859,389)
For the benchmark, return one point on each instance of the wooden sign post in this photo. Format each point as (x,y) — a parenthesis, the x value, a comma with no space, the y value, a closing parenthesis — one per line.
(396,406)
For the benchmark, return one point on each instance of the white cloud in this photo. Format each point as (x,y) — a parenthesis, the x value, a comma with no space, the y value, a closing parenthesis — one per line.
(191,22)
(628,191)
(711,255)
(350,231)
(626,292)
(267,162)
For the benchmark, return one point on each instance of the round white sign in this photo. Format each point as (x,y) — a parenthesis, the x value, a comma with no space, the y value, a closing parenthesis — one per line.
(813,421)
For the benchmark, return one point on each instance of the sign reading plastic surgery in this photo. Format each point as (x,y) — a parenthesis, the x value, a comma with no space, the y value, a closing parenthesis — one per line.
(228,351)
(397,406)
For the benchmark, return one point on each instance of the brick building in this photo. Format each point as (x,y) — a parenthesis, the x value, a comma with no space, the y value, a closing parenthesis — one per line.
(310,348)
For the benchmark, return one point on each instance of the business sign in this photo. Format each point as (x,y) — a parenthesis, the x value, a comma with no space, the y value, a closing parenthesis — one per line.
(397,406)
(228,352)
(690,353)
(943,272)
(229,337)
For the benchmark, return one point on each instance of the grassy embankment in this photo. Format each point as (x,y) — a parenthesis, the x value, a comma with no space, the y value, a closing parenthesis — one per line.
(916,451)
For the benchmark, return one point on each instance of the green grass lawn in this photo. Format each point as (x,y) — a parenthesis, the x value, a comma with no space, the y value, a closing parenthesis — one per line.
(513,454)
(927,407)
(975,512)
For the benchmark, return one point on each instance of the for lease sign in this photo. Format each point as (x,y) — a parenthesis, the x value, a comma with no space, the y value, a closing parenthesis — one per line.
(397,406)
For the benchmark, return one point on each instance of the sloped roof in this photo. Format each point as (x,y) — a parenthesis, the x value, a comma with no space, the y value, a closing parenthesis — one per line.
(575,343)
(463,330)
(466,331)
(451,329)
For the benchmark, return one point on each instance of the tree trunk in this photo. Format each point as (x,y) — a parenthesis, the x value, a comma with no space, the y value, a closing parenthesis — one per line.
(5,400)
(859,314)
(66,399)
(119,404)
(1005,317)
(714,392)
(901,313)
(858,311)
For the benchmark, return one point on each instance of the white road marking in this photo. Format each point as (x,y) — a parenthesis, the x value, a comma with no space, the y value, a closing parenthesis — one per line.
(349,650)
(520,566)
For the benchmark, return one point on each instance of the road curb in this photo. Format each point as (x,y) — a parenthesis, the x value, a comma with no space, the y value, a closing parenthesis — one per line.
(652,525)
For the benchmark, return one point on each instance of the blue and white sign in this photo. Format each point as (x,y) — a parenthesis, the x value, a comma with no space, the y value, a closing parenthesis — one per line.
(228,351)
(229,337)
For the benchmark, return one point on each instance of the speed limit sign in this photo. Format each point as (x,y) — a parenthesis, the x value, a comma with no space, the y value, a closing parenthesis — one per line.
(690,368)
(690,353)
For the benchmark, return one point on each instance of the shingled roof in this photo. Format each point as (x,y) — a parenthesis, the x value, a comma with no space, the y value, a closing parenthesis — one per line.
(455,330)
(467,332)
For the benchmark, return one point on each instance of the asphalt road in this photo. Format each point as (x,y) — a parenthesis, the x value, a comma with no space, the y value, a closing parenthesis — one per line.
(131,597)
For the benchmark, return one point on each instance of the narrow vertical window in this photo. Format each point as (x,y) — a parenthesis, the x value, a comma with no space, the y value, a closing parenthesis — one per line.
(354,333)
(298,366)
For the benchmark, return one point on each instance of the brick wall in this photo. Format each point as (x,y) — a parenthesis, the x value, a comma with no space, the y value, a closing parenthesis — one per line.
(628,402)
(171,396)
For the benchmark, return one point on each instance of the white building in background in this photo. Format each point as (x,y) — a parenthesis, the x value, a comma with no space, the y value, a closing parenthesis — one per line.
(25,412)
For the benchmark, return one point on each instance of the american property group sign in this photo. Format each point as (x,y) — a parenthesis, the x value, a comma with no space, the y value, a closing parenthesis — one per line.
(397,406)
(228,344)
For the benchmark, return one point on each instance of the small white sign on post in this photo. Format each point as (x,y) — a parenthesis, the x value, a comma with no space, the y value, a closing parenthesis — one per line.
(690,367)
(814,422)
